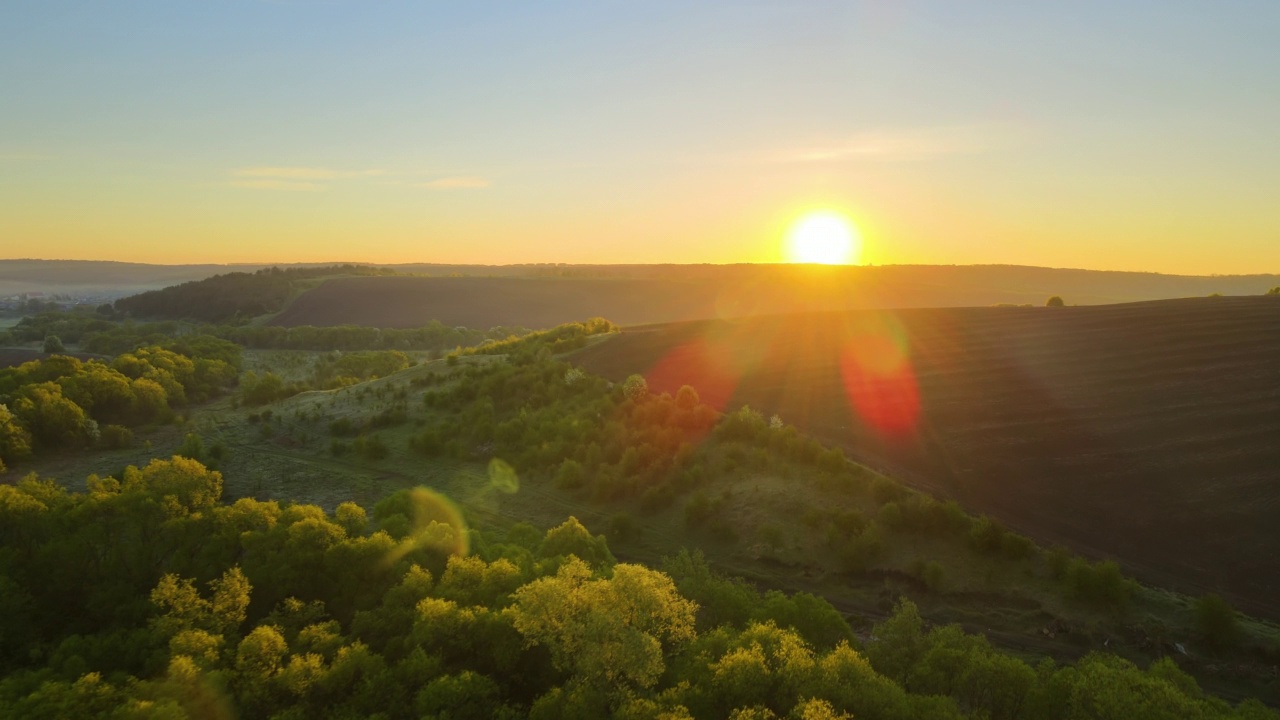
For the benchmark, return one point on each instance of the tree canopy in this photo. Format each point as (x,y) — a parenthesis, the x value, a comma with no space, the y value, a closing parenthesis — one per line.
(147,596)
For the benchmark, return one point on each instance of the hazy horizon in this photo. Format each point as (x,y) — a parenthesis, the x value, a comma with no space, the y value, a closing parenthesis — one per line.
(1088,136)
(770,263)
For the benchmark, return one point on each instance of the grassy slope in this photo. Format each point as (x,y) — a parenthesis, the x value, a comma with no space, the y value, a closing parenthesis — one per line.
(778,514)
(1143,432)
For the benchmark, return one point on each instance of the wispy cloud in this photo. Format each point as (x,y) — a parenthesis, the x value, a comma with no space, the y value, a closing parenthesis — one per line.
(279,185)
(309,179)
(456,183)
(906,144)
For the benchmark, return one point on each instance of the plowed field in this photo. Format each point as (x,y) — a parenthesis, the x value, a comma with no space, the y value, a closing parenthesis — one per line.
(1147,432)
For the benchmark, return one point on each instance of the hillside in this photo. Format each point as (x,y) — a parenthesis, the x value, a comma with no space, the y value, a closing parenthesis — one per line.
(548,296)
(512,435)
(1144,432)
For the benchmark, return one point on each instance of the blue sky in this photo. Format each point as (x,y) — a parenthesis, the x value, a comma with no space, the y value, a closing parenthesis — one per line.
(1134,135)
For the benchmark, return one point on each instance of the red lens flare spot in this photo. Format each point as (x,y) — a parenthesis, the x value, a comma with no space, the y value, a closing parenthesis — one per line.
(881,384)
(708,368)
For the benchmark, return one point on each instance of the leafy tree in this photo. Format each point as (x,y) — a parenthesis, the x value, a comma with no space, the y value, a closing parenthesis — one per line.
(899,642)
(52,344)
(1274,291)
(192,447)
(261,389)
(184,485)
(609,633)
(1216,621)
(1055,301)
(53,420)
(15,440)
(635,388)
(572,538)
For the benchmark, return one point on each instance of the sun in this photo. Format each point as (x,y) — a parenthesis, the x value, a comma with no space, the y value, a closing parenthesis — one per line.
(825,238)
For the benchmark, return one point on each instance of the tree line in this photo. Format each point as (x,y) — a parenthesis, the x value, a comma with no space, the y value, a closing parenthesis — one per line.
(110,334)
(231,296)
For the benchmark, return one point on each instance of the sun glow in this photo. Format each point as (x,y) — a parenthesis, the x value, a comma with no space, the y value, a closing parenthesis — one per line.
(826,238)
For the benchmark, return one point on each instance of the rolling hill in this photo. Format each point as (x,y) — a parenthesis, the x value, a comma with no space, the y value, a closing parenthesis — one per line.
(1144,432)
(541,297)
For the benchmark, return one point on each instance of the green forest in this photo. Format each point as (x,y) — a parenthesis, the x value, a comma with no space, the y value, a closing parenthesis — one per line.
(147,597)
(149,592)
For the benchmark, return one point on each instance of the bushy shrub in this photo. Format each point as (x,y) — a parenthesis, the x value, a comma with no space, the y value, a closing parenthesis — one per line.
(987,535)
(370,447)
(635,388)
(1216,622)
(931,573)
(861,551)
(1100,584)
(698,510)
(116,437)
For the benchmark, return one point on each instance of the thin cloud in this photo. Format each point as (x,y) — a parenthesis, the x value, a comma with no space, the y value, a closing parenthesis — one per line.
(457,183)
(907,145)
(279,185)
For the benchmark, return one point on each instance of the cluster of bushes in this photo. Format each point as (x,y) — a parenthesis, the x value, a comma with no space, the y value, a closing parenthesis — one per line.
(331,371)
(60,402)
(109,334)
(369,447)
(146,597)
(70,327)
(546,418)
(1100,583)
(560,339)
(749,427)
(342,369)
(433,336)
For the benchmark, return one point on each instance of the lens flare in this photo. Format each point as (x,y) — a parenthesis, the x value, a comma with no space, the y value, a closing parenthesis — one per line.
(695,364)
(503,478)
(879,378)
(437,524)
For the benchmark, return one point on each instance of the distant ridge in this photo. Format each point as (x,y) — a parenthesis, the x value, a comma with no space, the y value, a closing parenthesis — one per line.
(871,286)
(630,295)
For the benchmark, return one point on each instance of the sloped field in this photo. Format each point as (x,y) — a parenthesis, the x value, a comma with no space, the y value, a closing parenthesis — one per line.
(1148,432)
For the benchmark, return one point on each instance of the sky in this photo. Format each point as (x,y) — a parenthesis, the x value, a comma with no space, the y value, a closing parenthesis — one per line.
(1136,136)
